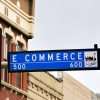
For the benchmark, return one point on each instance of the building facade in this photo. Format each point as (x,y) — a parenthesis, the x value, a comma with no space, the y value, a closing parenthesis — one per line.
(74,89)
(98,97)
(44,86)
(16,27)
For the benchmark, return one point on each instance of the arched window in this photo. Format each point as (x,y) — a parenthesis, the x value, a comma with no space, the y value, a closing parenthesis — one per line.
(19,46)
(7,42)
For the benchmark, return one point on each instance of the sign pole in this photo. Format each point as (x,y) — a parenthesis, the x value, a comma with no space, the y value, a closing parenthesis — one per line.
(95,46)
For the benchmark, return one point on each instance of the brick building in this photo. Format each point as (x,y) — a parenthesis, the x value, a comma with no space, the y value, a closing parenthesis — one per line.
(16,27)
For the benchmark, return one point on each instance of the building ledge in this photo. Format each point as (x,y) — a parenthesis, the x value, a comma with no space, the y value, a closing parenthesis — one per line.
(13,24)
(13,88)
(43,84)
(16,90)
(4,63)
(8,3)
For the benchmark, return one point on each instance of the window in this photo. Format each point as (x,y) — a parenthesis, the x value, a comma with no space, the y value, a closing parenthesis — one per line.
(19,46)
(3,50)
(4,47)
(30,7)
(4,76)
(7,45)
(1,40)
(8,42)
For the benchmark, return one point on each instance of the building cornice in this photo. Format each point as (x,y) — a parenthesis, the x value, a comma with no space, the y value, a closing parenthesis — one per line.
(48,86)
(18,11)
(13,88)
(13,24)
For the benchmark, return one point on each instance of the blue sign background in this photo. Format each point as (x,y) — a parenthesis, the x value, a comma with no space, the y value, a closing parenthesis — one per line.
(46,60)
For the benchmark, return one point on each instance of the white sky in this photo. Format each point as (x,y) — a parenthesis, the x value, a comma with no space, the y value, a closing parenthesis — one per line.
(67,24)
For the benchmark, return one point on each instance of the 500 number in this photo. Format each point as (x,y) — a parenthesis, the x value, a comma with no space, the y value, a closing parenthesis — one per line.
(19,66)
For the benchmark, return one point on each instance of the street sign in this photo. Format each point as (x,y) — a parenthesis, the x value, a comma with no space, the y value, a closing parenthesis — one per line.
(54,60)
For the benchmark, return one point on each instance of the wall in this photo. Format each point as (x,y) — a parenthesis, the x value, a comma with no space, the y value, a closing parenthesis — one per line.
(98,96)
(43,86)
(4,94)
(74,89)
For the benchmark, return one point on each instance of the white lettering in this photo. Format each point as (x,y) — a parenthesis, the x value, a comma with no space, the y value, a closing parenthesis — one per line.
(21,66)
(72,56)
(80,64)
(65,56)
(41,57)
(50,57)
(76,64)
(14,58)
(34,57)
(14,66)
(58,55)
(27,58)
(79,55)
(71,65)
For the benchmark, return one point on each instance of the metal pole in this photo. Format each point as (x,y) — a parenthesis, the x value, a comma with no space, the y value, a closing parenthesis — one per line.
(95,46)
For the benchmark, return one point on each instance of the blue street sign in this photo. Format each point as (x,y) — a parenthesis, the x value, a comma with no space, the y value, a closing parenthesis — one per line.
(53,60)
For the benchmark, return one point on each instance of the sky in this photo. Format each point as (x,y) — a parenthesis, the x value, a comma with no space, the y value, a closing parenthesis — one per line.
(69,24)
